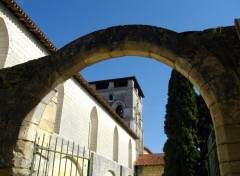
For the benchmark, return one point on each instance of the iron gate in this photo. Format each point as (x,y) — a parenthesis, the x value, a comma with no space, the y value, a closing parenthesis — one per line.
(54,156)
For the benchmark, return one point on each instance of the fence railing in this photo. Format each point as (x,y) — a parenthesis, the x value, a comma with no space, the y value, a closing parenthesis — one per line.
(55,156)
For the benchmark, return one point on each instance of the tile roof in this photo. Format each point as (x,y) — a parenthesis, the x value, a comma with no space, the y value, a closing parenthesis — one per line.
(31,26)
(148,150)
(150,160)
(102,101)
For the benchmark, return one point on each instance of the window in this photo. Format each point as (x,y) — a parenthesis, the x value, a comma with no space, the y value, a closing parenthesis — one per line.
(110,98)
(93,129)
(115,145)
(4,42)
(119,110)
(121,83)
(130,154)
(102,85)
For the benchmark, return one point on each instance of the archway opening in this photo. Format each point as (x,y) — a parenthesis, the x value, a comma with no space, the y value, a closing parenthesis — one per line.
(153,78)
(163,45)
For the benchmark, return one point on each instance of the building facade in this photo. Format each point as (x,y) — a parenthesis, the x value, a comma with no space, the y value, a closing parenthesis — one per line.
(75,130)
(125,96)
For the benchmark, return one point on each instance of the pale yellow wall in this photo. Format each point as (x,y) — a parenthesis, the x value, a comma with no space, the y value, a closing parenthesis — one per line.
(152,170)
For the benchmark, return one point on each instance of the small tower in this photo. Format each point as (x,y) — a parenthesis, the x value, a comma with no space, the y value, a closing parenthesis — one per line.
(124,95)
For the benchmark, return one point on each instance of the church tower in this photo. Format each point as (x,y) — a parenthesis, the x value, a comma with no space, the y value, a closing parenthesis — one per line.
(124,95)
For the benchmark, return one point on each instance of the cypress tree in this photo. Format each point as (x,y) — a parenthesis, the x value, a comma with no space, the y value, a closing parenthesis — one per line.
(204,126)
(181,154)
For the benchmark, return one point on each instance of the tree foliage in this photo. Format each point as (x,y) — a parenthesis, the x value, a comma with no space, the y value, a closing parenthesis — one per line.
(181,154)
(204,128)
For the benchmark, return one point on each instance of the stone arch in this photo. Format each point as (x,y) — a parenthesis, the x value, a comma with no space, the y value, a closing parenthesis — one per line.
(115,144)
(4,42)
(48,116)
(72,166)
(119,107)
(30,124)
(110,173)
(93,129)
(209,59)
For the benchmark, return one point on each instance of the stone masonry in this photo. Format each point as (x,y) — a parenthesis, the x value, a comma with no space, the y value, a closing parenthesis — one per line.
(210,59)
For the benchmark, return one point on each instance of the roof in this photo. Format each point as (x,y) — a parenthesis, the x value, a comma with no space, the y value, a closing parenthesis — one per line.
(99,98)
(150,160)
(136,84)
(29,24)
(148,150)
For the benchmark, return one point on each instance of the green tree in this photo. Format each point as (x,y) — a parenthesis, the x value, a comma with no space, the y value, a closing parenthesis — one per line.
(204,128)
(181,154)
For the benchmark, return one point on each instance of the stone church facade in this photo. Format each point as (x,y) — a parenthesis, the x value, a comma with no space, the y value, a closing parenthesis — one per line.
(111,134)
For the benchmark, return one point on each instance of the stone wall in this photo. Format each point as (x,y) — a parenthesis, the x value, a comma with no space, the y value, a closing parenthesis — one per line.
(210,59)
(102,166)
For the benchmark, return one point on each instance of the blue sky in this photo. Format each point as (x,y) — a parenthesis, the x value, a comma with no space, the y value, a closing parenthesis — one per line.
(65,20)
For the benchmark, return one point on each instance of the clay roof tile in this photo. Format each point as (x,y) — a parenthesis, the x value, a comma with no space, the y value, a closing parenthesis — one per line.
(150,160)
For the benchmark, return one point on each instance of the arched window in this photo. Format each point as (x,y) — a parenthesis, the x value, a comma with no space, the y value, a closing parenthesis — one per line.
(115,145)
(110,98)
(93,129)
(4,43)
(60,100)
(119,110)
(130,154)
(110,173)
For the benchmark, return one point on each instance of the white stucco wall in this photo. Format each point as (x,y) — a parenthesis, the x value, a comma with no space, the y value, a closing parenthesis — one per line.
(75,119)
(17,46)
(22,45)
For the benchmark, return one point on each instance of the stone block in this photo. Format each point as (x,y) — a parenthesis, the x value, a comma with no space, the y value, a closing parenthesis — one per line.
(228,152)
(228,134)
(205,71)
(224,86)
(27,131)
(25,148)
(183,66)
(20,161)
(21,171)
(230,168)
(226,111)
(208,95)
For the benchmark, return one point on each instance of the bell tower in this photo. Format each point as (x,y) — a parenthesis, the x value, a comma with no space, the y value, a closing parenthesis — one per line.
(125,96)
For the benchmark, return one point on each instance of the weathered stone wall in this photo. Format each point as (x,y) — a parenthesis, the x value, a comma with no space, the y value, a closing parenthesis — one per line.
(209,59)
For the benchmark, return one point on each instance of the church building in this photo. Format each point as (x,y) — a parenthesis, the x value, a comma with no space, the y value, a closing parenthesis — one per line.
(79,128)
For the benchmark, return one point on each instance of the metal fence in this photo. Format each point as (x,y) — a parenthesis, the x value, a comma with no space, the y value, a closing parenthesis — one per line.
(54,156)
(213,164)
